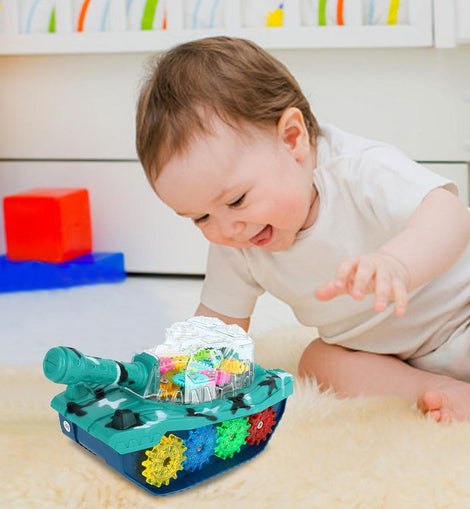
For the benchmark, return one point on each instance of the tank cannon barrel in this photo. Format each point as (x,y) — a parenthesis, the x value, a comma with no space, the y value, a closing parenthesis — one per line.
(64,365)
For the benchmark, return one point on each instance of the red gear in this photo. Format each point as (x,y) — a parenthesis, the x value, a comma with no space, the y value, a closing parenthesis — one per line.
(261,425)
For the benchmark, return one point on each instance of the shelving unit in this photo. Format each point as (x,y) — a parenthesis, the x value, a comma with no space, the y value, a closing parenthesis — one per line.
(67,121)
(293,35)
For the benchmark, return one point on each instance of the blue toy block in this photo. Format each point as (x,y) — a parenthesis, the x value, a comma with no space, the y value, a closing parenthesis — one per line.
(92,268)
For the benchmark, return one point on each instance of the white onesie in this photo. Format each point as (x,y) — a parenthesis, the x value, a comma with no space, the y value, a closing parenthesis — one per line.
(367,190)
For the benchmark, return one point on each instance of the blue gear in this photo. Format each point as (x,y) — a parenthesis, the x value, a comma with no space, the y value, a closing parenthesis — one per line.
(200,447)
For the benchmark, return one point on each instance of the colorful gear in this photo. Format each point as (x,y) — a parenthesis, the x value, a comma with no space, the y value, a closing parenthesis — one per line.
(164,461)
(220,377)
(167,388)
(200,447)
(232,366)
(195,365)
(203,355)
(231,436)
(180,361)
(194,379)
(166,364)
(261,425)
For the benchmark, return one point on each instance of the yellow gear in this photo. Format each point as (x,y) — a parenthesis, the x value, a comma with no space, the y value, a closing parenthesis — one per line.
(233,366)
(170,389)
(180,361)
(164,461)
(169,392)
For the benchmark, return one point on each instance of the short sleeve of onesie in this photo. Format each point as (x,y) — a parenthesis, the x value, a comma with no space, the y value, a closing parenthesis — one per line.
(229,287)
(391,186)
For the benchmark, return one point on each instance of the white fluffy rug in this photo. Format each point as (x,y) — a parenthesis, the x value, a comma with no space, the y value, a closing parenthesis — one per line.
(326,453)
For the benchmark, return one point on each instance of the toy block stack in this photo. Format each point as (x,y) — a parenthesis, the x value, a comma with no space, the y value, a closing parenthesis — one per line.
(49,242)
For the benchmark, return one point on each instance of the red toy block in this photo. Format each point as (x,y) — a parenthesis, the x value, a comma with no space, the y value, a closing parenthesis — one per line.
(48,225)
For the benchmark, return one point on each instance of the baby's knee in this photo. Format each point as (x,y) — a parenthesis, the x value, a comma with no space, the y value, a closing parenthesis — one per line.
(322,361)
(306,367)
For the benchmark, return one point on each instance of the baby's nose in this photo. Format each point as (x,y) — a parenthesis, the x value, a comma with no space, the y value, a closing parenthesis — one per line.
(232,229)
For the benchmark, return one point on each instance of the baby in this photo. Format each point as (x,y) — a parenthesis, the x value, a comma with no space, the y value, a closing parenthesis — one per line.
(359,240)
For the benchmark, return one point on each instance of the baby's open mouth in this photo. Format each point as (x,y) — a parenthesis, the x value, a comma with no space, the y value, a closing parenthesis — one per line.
(263,237)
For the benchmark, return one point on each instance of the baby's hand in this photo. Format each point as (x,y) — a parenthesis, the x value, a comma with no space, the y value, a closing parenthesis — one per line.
(378,273)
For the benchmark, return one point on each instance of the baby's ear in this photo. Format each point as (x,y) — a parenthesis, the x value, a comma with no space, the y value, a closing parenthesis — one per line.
(292,132)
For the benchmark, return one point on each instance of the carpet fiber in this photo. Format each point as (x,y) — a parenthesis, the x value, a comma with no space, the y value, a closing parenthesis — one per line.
(326,453)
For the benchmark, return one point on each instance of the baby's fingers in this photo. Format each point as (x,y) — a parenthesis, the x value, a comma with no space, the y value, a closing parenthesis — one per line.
(386,289)
(329,291)
(383,290)
(363,279)
(345,274)
(400,296)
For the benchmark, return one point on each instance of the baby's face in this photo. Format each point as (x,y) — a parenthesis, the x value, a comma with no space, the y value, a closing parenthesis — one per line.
(242,191)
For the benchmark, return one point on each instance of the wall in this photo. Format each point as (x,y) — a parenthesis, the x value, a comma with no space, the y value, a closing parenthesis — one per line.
(76,114)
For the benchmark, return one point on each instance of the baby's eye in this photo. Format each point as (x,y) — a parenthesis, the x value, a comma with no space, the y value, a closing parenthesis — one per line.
(238,202)
(202,219)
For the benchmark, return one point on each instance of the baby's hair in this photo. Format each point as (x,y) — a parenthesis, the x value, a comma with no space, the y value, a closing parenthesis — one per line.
(232,78)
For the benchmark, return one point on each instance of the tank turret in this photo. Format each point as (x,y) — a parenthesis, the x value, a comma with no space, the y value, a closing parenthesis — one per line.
(177,414)
(65,365)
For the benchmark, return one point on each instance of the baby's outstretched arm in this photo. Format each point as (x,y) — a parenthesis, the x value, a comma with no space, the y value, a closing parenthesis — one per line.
(433,239)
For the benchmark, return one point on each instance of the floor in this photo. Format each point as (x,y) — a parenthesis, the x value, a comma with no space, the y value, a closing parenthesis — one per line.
(109,320)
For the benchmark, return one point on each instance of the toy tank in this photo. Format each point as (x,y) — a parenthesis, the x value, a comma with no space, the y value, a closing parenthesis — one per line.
(176,415)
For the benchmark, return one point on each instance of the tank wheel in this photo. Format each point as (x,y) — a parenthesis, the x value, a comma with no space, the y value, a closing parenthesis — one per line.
(261,426)
(231,436)
(164,461)
(200,447)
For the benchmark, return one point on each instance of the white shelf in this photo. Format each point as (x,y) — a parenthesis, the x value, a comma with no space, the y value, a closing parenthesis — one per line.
(272,38)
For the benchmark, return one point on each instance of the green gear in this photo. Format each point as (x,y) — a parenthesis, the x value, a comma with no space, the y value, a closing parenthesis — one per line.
(231,436)
(203,354)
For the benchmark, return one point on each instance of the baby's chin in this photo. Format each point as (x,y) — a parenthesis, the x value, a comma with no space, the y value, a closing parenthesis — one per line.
(278,245)
(276,249)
